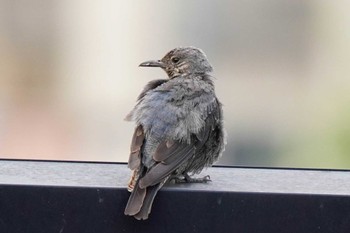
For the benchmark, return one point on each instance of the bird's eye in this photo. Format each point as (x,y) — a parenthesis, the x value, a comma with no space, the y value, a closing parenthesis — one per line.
(175,59)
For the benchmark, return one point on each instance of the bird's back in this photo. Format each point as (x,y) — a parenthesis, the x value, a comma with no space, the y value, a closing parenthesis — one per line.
(183,109)
(179,127)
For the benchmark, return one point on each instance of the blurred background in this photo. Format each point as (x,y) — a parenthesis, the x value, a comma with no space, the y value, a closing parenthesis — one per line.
(69,74)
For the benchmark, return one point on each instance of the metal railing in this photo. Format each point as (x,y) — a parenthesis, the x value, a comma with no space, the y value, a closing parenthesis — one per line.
(52,196)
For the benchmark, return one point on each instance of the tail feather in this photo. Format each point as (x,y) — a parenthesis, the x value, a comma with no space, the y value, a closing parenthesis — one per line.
(141,199)
(147,202)
(135,201)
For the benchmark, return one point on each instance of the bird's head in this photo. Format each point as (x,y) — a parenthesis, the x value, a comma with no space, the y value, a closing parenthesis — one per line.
(182,60)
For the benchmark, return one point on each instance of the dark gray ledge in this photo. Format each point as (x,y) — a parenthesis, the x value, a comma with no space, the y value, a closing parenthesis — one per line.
(49,196)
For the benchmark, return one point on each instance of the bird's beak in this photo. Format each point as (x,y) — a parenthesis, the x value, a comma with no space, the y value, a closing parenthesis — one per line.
(153,63)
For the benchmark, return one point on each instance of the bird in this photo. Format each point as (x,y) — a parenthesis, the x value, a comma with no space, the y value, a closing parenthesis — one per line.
(179,128)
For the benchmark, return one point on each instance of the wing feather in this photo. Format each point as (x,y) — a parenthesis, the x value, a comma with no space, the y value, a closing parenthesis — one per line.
(135,148)
(135,201)
(166,149)
(163,169)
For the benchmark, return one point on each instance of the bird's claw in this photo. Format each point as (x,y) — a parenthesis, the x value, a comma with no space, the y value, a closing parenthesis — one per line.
(187,179)
(204,179)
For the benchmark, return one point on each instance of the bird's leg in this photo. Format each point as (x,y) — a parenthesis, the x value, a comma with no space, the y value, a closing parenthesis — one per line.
(185,178)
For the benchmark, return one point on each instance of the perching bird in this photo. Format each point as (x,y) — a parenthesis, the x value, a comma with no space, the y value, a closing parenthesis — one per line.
(179,127)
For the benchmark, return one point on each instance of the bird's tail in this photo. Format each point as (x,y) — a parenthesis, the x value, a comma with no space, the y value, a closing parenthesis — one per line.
(141,200)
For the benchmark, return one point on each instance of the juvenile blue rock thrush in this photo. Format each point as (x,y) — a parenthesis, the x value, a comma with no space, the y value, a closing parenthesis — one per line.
(179,127)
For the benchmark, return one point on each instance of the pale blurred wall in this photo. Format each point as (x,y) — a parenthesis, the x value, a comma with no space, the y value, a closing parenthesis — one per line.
(69,74)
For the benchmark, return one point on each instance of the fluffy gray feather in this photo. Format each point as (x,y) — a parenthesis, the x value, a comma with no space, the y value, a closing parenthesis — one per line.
(181,123)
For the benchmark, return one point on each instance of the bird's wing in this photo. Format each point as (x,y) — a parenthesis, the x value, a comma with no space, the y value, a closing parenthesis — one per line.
(169,156)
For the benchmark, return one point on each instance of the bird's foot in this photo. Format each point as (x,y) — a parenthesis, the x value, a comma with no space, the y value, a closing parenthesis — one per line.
(185,178)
